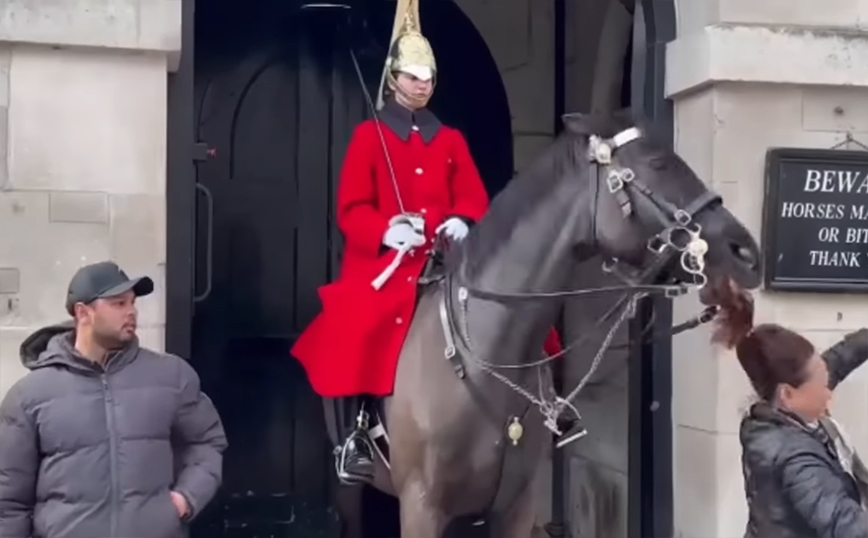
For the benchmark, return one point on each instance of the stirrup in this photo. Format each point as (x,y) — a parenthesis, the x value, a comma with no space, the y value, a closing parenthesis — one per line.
(362,423)
(340,452)
(573,434)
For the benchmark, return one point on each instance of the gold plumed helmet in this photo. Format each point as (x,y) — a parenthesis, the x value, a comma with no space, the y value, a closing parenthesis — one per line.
(409,50)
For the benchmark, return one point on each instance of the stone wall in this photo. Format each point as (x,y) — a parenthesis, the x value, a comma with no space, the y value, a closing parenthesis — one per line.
(521,41)
(746,76)
(82,154)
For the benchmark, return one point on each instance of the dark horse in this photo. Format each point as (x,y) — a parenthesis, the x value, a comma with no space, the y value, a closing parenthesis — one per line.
(468,396)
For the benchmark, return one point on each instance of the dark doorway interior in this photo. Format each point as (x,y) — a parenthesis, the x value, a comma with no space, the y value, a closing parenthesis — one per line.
(275,100)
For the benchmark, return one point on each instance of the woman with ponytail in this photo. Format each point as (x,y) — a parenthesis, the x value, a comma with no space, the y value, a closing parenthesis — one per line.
(802,477)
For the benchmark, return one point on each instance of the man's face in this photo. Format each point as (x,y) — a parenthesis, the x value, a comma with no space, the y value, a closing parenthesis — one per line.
(415,92)
(112,320)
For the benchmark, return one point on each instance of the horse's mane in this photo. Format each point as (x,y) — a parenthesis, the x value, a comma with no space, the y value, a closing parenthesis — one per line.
(564,158)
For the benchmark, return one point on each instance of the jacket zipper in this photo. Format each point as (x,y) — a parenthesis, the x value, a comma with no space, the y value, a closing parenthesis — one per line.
(113,456)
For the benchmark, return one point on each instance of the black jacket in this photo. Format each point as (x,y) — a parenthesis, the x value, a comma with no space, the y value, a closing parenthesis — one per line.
(795,485)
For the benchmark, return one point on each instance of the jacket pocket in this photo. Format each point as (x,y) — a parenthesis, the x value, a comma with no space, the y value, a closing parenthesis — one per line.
(169,520)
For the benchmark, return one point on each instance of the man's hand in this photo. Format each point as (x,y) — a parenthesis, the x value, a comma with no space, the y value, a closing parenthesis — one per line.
(402,233)
(180,504)
(454,228)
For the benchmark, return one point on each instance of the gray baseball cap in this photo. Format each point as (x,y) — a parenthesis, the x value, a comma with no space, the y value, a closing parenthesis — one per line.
(101,280)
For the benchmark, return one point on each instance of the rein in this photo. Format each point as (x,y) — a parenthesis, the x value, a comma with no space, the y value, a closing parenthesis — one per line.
(680,236)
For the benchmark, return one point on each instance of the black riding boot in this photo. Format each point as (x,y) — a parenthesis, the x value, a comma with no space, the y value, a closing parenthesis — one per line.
(355,459)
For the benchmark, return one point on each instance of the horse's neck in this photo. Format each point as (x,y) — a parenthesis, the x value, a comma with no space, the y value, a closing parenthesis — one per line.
(539,256)
(536,258)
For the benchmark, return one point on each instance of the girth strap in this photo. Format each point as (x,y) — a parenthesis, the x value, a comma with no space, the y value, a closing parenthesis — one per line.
(450,352)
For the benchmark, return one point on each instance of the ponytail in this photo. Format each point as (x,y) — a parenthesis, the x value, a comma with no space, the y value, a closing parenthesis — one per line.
(735,318)
(770,355)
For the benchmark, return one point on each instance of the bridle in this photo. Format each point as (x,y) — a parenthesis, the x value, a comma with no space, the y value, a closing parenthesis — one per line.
(680,237)
(680,234)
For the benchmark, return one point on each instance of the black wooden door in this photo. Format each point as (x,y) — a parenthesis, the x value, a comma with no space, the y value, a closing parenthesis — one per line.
(277,99)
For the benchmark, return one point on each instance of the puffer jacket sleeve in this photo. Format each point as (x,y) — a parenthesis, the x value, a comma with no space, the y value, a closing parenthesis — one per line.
(820,498)
(846,356)
(199,443)
(19,464)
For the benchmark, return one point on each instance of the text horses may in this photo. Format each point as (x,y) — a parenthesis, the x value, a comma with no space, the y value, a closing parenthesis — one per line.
(853,182)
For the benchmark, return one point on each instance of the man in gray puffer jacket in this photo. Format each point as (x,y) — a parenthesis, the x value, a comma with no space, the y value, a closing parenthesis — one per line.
(103,438)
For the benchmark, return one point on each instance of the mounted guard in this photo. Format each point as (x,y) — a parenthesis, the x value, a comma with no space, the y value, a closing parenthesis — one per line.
(406,179)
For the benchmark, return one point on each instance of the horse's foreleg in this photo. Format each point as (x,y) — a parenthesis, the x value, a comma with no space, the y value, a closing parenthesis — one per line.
(518,522)
(419,519)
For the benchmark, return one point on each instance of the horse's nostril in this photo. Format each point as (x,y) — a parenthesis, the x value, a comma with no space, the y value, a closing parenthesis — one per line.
(744,254)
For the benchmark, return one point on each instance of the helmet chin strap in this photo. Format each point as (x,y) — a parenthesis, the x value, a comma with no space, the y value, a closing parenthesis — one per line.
(418,102)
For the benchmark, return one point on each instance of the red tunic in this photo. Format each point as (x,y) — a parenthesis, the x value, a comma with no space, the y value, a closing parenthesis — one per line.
(352,347)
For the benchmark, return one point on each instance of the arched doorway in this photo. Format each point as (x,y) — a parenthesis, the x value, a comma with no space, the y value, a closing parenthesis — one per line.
(276,97)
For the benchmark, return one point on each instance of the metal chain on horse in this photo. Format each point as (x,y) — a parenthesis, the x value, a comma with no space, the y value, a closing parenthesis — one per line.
(705,316)
(551,410)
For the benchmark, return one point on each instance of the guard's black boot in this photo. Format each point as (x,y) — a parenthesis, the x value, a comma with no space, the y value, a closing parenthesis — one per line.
(355,459)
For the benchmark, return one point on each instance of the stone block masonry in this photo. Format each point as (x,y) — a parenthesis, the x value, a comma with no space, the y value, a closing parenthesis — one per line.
(808,89)
(82,154)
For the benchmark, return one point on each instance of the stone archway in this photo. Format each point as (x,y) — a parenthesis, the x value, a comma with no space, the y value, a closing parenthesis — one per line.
(520,40)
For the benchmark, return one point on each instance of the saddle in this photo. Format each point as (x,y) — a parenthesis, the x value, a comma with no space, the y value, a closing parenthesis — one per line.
(433,272)
(435,266)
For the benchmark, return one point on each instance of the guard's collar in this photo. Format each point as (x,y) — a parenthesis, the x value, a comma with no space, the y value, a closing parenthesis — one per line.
(403,120)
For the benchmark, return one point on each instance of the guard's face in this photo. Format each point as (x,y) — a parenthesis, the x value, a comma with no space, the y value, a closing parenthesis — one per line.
(112,321)
(413,92)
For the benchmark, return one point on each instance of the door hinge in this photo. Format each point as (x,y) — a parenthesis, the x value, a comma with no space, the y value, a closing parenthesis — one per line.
(201,152)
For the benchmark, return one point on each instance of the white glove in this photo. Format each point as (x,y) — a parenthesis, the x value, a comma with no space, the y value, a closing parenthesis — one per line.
(454,229)
(400,234)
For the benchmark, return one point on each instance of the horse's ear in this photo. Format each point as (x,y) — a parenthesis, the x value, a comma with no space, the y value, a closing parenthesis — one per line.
(606,124)
(625,116)
(577,122)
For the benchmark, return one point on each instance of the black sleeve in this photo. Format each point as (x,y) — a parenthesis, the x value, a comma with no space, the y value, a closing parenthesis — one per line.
(846,356)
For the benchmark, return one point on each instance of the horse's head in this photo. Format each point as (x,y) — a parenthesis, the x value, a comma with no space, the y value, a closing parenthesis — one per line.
(648,205)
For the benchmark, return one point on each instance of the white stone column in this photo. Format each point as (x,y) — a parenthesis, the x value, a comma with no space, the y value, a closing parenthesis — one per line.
(745,76)
(82,154)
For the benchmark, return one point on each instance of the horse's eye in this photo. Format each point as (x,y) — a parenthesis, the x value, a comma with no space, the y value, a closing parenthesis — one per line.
(659,163)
